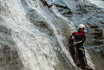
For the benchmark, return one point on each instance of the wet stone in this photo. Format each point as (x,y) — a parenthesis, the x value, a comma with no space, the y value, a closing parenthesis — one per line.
(9,59)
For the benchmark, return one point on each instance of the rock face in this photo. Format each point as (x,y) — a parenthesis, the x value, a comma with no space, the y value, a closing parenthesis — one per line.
(32,37)
(98,59)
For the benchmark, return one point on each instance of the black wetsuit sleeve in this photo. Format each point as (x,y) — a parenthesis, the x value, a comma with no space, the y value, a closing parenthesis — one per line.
(70,41)
(70,38)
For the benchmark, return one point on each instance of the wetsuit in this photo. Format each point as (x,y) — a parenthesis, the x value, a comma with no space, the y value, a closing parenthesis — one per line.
(80,39)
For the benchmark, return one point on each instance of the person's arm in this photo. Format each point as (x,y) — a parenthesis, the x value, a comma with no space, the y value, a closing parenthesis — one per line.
(82,41)
(70,39)
(75,36)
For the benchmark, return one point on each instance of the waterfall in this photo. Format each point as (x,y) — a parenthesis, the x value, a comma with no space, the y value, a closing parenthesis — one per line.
(36,49)
(34,37)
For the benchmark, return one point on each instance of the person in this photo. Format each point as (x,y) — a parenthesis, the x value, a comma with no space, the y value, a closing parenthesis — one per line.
(76,42)
(45,3)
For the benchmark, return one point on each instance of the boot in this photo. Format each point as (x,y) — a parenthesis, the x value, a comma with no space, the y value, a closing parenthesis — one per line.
(88,67)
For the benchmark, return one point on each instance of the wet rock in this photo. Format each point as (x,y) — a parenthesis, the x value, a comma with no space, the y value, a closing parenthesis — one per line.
(9,59)
(98,60)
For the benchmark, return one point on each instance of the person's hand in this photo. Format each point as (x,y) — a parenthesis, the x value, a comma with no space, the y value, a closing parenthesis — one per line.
(72,37)
(75,42)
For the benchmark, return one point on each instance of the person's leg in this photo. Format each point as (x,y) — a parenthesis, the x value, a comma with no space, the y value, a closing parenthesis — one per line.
(72,51)
(82,61)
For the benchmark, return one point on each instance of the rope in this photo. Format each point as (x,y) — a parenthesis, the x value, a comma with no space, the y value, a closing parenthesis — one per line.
(60,32)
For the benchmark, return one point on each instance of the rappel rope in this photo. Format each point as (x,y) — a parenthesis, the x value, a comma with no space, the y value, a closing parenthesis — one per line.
(63,39)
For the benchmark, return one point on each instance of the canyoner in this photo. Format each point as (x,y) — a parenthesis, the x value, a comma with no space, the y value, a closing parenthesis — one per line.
(76,47)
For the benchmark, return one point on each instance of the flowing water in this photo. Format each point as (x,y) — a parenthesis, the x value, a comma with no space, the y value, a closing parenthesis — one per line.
(33,37)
